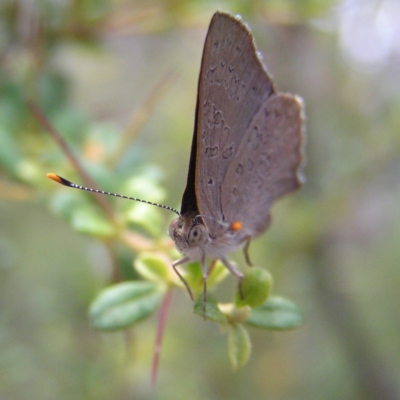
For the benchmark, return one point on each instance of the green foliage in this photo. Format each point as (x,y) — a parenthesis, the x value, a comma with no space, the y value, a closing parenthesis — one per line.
(276,313)
(239,345)
(209,309)
(122,305)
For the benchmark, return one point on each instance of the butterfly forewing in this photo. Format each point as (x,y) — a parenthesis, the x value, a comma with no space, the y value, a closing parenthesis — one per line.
(233,85)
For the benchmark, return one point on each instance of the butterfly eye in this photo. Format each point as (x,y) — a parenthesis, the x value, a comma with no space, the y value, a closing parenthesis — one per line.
(197,235)
(174,226)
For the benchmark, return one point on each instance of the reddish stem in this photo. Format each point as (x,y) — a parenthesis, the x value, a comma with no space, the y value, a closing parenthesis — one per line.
(160,333)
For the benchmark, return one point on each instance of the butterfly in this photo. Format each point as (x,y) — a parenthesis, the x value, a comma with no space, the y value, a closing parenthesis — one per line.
(247,150)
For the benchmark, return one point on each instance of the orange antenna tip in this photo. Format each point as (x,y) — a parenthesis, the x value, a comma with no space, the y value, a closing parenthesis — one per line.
(54,177)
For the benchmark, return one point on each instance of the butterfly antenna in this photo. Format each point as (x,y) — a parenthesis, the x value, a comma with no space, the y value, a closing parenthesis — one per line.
(66,182)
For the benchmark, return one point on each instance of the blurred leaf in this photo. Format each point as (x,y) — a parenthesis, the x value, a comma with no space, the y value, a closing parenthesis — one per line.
(64,202)
(144,187)
(276,313)
(13,110)
(53,91)
(88,220)
(217,274)
(147,217)
(72,123)
(255,287)
(10,156)
(239,345)
(193,273)
(29,171)
(234,315)
(212,312)
(124,304)
(153,267)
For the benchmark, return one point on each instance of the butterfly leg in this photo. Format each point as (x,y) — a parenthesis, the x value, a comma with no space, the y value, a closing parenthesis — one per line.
(246,251)
(235,272)
(205,271)
(178,262)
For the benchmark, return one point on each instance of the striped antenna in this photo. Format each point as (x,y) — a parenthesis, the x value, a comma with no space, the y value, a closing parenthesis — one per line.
(65,182)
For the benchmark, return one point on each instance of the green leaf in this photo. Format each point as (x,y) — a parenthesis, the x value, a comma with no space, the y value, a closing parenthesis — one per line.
(153,267)
(255,287)
(64,202)
(239,345)
(124,304)
(147,217)
(10,155)
(89,221)
(234,315)
(209,310)
(193,274)
(217,274)
(276,313)
(143,187)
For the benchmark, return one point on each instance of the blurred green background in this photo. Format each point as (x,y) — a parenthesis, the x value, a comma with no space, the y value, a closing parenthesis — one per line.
(118,80)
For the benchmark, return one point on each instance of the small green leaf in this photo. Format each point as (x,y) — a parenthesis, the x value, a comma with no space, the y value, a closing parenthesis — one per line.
(145,216)
(193,274)
(144,187)
(65,202)
(10,155)
(217,274)
(89,221)
(276,313)
(209,310)
(239,345)
(124,304)
(153,267)
(234,315)
(255,287)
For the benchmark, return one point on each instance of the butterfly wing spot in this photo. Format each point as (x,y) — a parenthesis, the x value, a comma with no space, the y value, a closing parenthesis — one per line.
(210,73)
(217,118)
(233,86)
(210,181)
(211,151)
(227,130)
(239,169)
(236,226)
(228,152)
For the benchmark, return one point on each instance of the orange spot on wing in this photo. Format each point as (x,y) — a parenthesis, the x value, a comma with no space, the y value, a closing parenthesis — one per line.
(236,226)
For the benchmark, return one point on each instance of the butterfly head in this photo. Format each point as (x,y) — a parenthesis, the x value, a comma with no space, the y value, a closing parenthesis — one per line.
(188,234)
